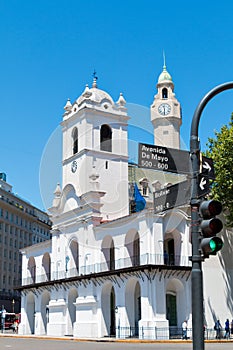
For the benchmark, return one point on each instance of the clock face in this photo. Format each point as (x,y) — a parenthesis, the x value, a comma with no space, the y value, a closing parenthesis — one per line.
(74,166)
(164,109)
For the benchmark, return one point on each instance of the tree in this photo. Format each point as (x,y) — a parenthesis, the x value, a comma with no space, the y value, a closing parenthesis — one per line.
(220,149)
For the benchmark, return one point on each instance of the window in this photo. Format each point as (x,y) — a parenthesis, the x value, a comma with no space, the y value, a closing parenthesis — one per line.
(106,138)
(164,93)
(144,183)
(75,140)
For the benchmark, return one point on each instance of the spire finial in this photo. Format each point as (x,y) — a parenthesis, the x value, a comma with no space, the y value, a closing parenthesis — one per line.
(94,84)
(164,60)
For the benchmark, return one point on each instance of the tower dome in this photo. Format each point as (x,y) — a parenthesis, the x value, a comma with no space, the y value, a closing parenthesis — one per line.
(164,76)
(95,95)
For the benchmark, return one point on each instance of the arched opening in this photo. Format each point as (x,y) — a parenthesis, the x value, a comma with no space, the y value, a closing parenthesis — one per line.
(108,250)
(74,263)
(106,138)
(45,311)
(136,250)
(133,306)
(46,264)
(137,301)
(174,227)
(75,140)
(176,305)
(112,257)
(169,252)
(112,311)
(132,243)
(164,93)
(73,294)
(31,270)
(171,310)
(108,304)
(30,312)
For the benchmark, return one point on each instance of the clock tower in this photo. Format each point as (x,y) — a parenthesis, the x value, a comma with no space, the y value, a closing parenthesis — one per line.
(166,113)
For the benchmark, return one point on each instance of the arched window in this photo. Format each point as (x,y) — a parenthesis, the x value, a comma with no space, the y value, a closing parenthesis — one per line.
(75,140)
(106,138)
(164,93)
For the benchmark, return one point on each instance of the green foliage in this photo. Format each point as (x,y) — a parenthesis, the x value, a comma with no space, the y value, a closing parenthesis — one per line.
(220,149)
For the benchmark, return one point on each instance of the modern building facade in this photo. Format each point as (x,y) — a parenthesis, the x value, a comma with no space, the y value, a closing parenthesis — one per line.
(21,224)
(114,267)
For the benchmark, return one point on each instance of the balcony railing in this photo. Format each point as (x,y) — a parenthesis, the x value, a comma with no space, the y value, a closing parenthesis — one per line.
(145,259)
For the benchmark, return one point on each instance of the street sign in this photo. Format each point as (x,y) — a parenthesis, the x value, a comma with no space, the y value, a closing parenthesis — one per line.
(172,196)
(207,167)
(203,185)
(163,158)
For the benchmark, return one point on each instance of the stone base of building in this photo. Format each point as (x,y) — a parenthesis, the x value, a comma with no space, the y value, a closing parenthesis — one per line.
(85,330)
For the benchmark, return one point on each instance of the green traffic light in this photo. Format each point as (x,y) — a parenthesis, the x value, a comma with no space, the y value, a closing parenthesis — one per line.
(216,244)
(213,245)
(210,246)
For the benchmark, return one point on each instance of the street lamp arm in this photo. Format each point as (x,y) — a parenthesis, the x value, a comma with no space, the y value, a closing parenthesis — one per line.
(197,114)
(196,274)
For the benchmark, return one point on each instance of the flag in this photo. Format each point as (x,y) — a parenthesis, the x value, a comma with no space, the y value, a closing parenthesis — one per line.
(140,201)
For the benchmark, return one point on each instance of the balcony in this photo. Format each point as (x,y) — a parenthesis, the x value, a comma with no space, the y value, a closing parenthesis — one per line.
(174,261)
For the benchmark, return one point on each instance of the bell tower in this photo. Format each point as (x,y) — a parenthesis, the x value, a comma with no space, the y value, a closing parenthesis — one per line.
(166,113)
(95,149)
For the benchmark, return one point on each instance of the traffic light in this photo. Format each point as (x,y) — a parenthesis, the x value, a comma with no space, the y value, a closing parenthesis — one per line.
(210,226)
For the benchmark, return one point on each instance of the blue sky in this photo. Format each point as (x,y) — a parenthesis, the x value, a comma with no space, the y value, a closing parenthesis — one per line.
(49,50)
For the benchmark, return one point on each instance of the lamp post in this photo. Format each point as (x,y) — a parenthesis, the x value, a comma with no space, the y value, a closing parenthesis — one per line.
(13,305)
(197,278)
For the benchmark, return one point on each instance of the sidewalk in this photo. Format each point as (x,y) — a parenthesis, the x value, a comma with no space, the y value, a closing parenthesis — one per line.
(107,339)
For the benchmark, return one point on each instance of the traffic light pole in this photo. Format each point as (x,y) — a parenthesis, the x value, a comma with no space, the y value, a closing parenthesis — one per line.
(197,278)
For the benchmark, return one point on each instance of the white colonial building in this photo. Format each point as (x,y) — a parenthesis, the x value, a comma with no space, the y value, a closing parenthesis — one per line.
(113,266)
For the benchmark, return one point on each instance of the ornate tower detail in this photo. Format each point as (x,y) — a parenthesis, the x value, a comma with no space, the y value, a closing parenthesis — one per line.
(95,136)
(166,113)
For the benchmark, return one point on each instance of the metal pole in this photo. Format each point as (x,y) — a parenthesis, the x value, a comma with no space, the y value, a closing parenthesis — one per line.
(197,278)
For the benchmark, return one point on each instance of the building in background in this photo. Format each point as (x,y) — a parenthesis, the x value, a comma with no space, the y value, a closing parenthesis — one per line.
(114,266)
(21,224)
